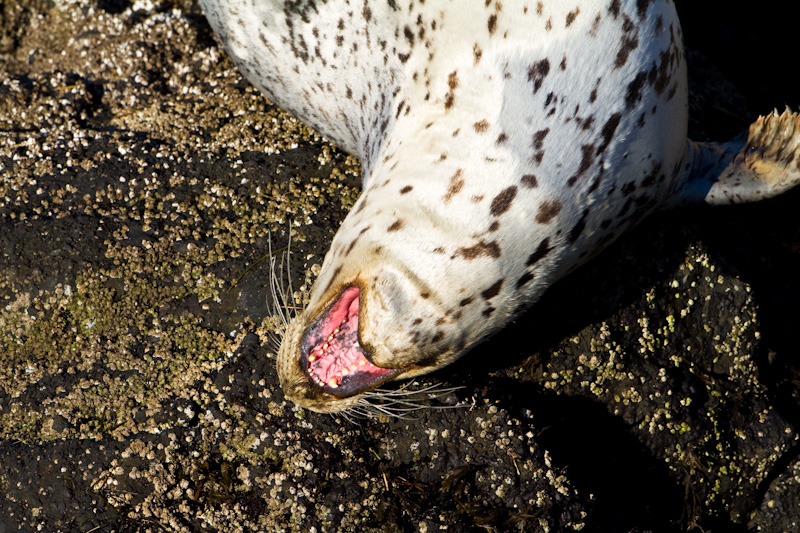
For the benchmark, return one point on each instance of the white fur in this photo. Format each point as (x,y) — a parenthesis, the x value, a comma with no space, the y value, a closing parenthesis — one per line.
(425,142)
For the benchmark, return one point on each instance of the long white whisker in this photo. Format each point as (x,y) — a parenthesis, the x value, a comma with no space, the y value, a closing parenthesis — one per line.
(275,285)
(398,403)
(281,287)
(289,274)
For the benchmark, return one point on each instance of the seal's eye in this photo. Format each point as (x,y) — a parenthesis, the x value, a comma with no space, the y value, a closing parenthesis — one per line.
(332,355)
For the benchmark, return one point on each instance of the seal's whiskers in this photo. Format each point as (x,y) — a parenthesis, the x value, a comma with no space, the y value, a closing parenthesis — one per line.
(281,290)
(401,402)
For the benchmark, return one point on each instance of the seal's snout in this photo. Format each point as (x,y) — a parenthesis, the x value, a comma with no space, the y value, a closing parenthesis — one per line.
(332,355)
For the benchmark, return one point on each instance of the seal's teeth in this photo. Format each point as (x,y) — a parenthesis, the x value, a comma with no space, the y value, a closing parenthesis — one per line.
(362,362)
(312,358)
(344,372)
(352,368)
(335,332)
(332,383)
(325,346)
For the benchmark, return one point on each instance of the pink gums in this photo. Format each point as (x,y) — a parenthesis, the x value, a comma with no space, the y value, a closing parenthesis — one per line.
(336,359)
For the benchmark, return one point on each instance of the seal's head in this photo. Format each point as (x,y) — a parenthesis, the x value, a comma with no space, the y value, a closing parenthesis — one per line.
(369,320)
(323,363)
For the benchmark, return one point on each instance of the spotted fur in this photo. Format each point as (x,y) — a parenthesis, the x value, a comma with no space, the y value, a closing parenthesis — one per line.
(503,143)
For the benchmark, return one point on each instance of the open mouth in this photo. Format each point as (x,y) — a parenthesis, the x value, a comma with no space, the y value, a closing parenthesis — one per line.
(332,355)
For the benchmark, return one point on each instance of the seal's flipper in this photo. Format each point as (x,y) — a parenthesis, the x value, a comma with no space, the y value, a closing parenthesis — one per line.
(765,164)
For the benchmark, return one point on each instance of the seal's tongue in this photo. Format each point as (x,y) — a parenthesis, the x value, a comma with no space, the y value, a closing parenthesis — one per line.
(331,351)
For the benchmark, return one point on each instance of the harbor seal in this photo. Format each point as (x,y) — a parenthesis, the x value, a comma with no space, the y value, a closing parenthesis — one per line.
(502,144)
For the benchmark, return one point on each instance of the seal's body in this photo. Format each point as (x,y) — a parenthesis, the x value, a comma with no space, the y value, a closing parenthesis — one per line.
(502,145)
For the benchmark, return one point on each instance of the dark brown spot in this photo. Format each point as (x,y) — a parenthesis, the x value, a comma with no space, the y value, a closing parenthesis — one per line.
(361,205)
(466,301)
(406,189)
(625,207)
(538,138)
(425,295)
(547,210)
(650,179)
(495,225)
(438,336)
(452,83)
(354,241)
(456,184)
(502,201)
(609,129)
(641,7)
(524,279)
(501,138)
(628,188)
(578,228)
(529,181)
(396,225)
(587,159)
(537,73)
(483,248)
(416,322)
(627,24)
(492,23)
(572,15)
(595,24)
(660,77)
(409,35)
(596,183)
(543,249)
(494,290)
(481,126)
(477,53)
(633,93)
(630,42)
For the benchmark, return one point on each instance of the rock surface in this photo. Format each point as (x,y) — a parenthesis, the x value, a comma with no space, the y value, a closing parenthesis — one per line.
(656,389)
